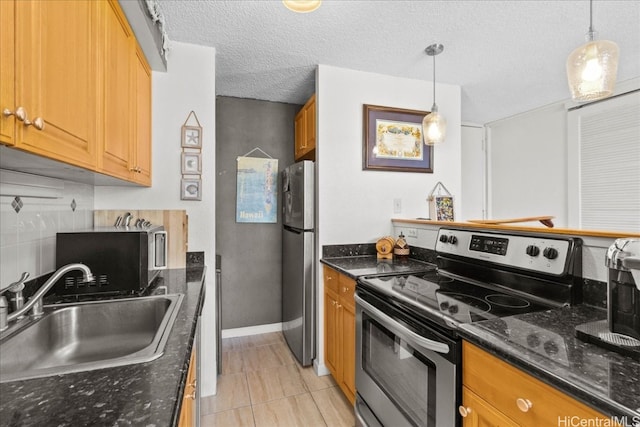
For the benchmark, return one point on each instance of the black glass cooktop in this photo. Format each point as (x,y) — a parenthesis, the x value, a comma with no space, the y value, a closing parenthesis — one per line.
(454,301)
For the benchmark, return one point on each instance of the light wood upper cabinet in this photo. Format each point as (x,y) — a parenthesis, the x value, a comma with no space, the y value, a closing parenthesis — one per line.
(340,330)
(497,393)
(118,44)
(305,131)
(76,86)
(55,79)
(142,147)
(7,79)
(125,143)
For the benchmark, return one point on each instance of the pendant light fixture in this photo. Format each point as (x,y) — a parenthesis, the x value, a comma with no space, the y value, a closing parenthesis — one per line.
(434,126)
(592,67)
(302,6)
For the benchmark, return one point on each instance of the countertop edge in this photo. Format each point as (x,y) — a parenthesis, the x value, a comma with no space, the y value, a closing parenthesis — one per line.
(521,227)
(175,417)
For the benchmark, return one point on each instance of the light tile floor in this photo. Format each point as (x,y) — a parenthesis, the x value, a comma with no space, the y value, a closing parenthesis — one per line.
(262,385)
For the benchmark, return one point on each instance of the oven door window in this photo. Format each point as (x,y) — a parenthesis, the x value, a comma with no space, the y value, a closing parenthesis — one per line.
(406,376)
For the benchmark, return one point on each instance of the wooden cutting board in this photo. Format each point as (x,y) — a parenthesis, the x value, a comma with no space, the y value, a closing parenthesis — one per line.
(175,222)
(545,220)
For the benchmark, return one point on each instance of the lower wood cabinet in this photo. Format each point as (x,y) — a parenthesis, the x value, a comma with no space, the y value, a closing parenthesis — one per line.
(188,411)
(340,330)
(496,393)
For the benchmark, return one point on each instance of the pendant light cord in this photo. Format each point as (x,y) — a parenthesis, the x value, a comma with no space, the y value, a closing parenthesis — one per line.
(591,32)
(434,80)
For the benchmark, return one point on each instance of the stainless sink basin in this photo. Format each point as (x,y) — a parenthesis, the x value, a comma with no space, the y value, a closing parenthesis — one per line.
(91,335)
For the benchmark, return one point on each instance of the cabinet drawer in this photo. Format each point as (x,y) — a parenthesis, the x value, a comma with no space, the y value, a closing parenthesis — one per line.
(330,278)
(516,394)
(346,290)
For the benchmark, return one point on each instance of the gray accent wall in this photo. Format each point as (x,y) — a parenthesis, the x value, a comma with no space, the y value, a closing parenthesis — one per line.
(251,253)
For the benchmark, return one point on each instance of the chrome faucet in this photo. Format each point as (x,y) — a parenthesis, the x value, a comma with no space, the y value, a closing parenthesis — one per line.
(35,302)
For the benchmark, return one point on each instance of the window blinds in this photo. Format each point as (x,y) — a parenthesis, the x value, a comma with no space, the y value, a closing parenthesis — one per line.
(608,163)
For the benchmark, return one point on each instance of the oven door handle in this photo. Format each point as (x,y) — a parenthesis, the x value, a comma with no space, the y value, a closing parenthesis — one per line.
(398,329)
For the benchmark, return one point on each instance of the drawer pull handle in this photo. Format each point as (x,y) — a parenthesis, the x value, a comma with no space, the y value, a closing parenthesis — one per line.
(345,289)
(524,404)
(464,411)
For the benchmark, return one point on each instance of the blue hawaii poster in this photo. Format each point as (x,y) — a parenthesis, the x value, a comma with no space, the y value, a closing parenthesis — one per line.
(257,190)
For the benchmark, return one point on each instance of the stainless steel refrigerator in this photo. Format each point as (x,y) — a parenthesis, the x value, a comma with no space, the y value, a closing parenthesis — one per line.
(298,260)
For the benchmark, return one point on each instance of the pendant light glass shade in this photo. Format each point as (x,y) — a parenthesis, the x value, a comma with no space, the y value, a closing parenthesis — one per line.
(434,125)
(302,6)
(592,67)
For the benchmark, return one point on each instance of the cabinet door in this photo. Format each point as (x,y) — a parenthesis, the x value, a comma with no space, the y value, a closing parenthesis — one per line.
(479,413)
(7,64)
(300,138)
(55,78)
(331,332)
(187,411)
(142,141)
(114,157)
(310,122)
(348,346)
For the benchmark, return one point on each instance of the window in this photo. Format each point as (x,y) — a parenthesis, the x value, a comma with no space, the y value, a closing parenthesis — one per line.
(604,164)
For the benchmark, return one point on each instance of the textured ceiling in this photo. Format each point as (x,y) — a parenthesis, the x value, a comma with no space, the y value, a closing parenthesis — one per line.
(508,56)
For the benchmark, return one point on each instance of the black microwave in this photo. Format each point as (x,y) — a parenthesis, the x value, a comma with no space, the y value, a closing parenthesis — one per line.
(123,260)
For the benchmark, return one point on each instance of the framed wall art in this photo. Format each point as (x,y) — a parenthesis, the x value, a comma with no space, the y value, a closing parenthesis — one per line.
(191,189)
(393,140)
(192,133)
(191,163)
(440,203)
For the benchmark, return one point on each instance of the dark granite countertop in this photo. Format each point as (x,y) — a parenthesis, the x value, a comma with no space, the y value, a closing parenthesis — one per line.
(144,394)
(544,345)
(369,265)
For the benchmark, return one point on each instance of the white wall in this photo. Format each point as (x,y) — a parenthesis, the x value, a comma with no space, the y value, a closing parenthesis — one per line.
(188,84)
(527,167)
(354,206)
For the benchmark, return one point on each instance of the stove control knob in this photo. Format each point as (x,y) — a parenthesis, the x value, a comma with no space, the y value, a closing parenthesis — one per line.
(444,305)
(453,240)
(533,250)
(550,253)
(453,309)
(444,239)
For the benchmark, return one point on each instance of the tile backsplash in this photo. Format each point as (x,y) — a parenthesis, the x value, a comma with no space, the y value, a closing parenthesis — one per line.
(28,225)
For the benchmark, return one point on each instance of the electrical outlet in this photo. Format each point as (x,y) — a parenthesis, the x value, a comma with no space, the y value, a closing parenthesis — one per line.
(412,232)
(397,205)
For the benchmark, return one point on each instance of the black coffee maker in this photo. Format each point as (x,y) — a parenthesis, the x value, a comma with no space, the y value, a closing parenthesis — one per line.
(623,300)
(620,332)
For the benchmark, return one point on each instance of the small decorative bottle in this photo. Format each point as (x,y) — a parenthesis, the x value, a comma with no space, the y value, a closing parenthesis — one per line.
(401,249)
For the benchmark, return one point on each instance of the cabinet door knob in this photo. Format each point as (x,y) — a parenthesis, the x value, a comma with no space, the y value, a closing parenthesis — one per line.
(464,411)
(345,289)
(524,404)
(339,306)
(37,123)
(19,113)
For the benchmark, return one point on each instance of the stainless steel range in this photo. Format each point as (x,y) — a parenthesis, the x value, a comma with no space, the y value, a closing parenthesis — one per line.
(408,352)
